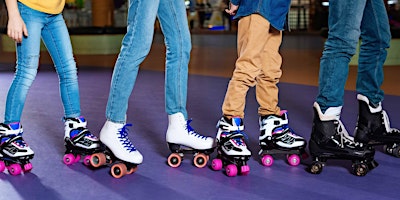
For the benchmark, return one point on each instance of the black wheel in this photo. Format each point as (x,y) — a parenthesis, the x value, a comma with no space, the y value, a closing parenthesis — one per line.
(360,169)
(396,152)
(316,168)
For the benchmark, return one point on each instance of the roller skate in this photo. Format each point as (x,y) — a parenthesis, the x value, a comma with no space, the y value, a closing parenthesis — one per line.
(78,141)
(373,127)
(277,138)
(117,150)
(183,139)
(330,140)
(232,151)
(15,154)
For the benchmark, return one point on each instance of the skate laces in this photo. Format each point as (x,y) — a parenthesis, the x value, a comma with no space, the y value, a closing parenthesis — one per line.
(191,131)
(123,138)
(345,138)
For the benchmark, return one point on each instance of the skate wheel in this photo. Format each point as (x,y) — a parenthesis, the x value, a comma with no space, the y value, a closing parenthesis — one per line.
(2,166)
(231,170)
(316,168)
(245,170)
(132,170)
(267,160)
(386,149)
(77,158)
(86,160)
(293,160)
(360,169)
(216,164)
(14,169)
(97,159)
(174,160)
(200,160)
(69,159)
(396,152)
(118,170)
(28,167)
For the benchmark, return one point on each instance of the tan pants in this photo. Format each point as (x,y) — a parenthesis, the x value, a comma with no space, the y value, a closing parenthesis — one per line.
(258,64)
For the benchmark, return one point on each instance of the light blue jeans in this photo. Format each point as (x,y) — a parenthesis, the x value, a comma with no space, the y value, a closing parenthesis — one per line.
(54,33)
(350,21)
(136,46)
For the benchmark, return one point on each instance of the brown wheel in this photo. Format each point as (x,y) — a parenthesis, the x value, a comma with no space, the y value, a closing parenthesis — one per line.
(118,170)
(132,170)
(200,160)
(174,160)
(98,159)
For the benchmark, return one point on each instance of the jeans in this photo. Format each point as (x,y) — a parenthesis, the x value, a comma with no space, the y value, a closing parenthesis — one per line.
(136,46)
(350,21)
(54,33)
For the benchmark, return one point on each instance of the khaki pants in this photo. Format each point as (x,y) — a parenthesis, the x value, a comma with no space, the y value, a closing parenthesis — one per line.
(258,64)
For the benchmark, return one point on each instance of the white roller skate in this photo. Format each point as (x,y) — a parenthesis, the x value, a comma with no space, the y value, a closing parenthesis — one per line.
(78,141)
(277,138)
(182,139)
(118,150)
(231,147)
(14,151)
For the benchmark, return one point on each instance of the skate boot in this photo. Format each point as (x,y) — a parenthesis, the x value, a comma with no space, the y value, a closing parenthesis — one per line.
(78,141)
(182,138)
(117,150)
(14,151)
(232,150)
(330,140)
(277,138)
(373,127)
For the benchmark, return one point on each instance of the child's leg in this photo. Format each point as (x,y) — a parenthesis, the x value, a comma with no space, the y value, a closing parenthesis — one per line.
(27,63)
(56,38)
(271,61)
(252,38)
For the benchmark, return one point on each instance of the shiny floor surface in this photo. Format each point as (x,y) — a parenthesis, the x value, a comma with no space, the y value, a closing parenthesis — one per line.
(52,179)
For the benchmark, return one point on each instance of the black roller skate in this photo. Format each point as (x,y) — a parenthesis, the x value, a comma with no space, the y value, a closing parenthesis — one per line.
(15,154)
(330,140)
(117,150)
(373,127)
(277,138)
(78,141)
(231,147)
(183,139)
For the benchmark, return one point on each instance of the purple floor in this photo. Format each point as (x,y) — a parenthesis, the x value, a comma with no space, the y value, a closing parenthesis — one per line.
(52,179)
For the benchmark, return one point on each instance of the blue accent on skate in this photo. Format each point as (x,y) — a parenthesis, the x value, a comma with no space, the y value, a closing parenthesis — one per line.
(15,125)
(51,179)
(237,121)
(123,137)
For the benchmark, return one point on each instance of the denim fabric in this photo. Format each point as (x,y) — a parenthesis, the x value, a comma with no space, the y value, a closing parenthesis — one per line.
(275,11)
(136,46)
(350,21)
(54,33)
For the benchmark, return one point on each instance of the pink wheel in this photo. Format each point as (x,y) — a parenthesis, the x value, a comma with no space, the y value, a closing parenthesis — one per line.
(2,166)
(216,164)
(293,160)
(28,167)
(77,158)
(86,160)
(245,170)
(69,159)
(231,170)
(14,169)
(267,160)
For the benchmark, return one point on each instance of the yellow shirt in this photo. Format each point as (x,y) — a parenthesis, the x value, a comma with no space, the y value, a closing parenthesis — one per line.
(46,6)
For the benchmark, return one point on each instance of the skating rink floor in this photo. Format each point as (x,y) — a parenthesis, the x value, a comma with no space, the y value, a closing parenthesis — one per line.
(52,179)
